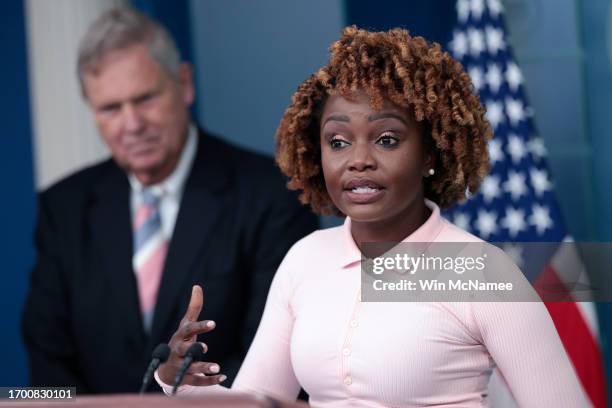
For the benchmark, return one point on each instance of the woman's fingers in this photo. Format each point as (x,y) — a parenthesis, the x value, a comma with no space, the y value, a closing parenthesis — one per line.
(195,304)
(180,348)
(168,370)
(201,380)
(189,329)
(184,338)
(204,368)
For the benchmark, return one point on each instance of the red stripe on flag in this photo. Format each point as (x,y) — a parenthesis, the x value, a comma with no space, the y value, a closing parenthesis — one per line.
(577,338)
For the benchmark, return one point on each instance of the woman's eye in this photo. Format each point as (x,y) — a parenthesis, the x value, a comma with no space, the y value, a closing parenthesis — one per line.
(387,140)
(338,143)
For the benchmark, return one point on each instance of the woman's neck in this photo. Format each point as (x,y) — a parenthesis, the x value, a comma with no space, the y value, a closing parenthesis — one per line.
(394,229)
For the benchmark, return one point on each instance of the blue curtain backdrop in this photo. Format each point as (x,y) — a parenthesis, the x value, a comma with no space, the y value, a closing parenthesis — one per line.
(18,197)
(596,23)
(433,20)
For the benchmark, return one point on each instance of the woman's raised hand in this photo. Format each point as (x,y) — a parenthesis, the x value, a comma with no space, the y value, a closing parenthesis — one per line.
(182,339)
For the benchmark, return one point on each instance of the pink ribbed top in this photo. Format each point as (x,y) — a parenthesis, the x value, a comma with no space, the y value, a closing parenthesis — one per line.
(316,333)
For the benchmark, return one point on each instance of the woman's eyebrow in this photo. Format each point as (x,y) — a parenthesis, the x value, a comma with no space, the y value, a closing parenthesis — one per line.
(386,115)
(337,118)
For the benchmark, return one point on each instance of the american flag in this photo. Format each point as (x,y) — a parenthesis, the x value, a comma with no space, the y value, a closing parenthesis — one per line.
(516,202)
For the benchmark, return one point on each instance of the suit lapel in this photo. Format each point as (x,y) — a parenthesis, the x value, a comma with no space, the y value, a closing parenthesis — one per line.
(111,219)
(201,205)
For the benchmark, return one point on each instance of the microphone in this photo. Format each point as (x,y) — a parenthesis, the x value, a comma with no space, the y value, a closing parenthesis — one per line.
(160,356)
(194,353)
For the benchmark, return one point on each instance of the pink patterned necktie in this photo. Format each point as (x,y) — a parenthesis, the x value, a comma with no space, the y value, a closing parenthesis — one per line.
(150,248)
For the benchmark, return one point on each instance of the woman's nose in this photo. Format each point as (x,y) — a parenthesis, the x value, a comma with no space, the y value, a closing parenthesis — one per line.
(362,158)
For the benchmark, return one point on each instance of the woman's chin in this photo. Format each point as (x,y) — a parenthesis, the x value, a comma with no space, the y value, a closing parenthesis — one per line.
(364,213)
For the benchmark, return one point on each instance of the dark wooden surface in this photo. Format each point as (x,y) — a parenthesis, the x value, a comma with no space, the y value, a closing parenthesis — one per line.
(155,401)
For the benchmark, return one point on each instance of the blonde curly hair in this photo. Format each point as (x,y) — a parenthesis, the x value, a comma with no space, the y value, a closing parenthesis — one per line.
(412,74)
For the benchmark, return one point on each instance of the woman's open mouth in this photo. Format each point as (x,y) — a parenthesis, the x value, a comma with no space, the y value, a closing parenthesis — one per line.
(363,191)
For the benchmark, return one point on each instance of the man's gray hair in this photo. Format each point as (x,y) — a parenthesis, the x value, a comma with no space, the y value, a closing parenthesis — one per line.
(120,28)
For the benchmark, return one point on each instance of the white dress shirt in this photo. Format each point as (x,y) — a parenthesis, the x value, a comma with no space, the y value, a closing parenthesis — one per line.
(170,190)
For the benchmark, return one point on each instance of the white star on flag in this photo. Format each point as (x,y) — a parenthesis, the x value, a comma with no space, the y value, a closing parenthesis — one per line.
(476,76)
(495,113)
(516,148)
(476,40)
(490,188)
(485,223)
(495,151)
(495,8)
(462,220)
(459,43)
(540,218)
(513,76)
(514,110)
(477,8)
(515,185)
(514,221)
(495,39)
(536,147)
(540,181)
(463,10)
(494,77)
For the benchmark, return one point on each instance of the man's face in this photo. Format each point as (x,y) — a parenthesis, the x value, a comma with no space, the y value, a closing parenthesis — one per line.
(141,111)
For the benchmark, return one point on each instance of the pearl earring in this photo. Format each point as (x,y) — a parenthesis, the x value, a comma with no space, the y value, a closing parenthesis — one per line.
(432,172)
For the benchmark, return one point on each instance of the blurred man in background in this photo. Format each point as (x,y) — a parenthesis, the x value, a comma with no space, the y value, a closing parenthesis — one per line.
(121,243)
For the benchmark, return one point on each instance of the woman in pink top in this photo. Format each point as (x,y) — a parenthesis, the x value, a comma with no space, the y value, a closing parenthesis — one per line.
(385,134)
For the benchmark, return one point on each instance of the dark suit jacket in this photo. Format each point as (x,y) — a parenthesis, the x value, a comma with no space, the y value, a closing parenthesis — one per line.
(81,322)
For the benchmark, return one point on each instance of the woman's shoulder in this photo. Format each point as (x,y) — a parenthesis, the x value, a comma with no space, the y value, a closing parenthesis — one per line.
(453,233)
(312,254)
(319,240)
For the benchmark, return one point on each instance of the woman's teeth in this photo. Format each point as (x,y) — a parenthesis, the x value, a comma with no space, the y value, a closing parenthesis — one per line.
(364,190)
